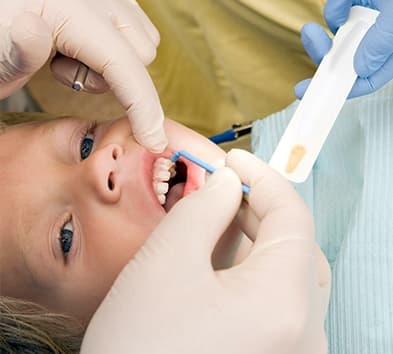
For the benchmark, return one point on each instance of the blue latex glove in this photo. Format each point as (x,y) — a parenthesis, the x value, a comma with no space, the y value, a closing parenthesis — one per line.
(373,60)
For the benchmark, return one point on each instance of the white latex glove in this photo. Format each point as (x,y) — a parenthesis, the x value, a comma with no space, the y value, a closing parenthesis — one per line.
(113,37)
(168,299)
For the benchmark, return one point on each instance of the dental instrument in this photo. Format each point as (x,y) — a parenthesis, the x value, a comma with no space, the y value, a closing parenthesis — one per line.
(313,119)
(232,134)
(200,163)
(80,77)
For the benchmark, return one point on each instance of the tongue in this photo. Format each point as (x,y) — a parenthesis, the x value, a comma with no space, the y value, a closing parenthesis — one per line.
(174,195)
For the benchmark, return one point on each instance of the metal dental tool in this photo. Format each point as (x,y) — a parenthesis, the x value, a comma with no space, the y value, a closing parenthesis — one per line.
(80,77)
(200,163)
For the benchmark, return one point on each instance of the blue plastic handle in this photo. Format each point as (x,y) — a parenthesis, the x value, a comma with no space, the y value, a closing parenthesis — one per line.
(228,135)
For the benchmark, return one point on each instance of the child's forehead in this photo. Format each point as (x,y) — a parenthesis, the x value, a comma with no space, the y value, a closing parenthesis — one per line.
(15,137)
(19,145)
(15,131)
(25,124)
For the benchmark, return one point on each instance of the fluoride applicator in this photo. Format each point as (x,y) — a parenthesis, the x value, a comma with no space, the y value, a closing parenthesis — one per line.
(186,155)
(314,117)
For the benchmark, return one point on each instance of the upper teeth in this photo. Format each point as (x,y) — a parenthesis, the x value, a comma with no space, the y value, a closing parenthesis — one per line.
(163,170)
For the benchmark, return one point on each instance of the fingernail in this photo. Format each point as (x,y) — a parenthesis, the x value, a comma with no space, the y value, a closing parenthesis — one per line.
(156,143)
(218,163)
(160,147)
(213,180)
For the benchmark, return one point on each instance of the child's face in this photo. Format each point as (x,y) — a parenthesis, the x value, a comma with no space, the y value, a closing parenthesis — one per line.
(71,218)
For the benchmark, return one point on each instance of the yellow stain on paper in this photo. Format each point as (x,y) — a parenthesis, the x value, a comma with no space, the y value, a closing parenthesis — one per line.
(297,154)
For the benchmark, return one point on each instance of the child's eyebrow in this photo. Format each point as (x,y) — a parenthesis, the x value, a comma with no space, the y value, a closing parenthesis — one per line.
(26,238)
(60,134)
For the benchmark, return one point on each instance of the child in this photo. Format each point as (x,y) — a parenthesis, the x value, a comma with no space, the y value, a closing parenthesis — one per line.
(77,200)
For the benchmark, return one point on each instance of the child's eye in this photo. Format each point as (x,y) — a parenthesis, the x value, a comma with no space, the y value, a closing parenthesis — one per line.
(66,236)
(87,141)
(86,146)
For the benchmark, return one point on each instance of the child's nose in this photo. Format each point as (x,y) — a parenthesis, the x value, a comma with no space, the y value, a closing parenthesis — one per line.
(102,167)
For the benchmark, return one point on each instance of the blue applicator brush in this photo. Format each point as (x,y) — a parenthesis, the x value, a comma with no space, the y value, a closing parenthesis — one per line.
(200,163)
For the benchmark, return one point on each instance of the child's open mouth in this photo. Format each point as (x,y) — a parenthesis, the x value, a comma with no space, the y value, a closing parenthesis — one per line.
(173,181)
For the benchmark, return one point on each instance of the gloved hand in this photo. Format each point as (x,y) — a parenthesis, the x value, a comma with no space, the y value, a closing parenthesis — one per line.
(113,37)
(168,299)
(373,60)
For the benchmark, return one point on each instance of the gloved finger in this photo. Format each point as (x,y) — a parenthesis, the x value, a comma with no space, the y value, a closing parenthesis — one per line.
(9,88)
(246,165)
(136,92)
(194,225)
(377,45)
(272,198)
(285,244)
(364,86)
(324,275)
(248,220)
(122,69)
(316,42)
(324,281)
(301,87)
(150,29)
(24,48)
(65,68)
(128,23)
(336,13)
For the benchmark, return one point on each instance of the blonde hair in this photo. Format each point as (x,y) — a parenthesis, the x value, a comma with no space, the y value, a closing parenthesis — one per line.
(26,327)
(14,118)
